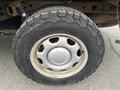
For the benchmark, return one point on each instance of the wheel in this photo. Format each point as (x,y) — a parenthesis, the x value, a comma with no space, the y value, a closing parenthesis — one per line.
(58,46)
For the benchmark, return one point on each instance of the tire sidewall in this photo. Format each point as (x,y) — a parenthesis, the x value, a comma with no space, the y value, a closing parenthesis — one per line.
(27,41)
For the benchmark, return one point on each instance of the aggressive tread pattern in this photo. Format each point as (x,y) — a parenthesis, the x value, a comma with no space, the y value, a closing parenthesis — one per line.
(54,15)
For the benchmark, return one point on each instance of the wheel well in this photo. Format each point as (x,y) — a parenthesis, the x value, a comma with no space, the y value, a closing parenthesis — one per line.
(100,11)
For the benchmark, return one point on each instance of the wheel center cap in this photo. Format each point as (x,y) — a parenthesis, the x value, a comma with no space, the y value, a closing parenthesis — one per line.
(59,56)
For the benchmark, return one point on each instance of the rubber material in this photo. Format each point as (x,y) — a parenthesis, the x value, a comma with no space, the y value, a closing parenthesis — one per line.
(58,20)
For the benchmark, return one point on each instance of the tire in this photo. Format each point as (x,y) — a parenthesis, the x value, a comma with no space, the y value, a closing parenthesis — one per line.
(54,20)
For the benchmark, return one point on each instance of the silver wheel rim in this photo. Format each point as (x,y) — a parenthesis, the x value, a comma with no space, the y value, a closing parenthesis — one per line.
(59,55)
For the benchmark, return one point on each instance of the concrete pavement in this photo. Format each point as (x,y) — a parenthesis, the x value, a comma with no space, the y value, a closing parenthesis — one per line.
(107,76)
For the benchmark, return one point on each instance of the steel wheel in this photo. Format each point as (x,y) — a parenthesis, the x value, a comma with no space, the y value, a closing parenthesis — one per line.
(58,46)
(59,55)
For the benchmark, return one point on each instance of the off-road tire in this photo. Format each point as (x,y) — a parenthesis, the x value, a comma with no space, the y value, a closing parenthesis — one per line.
(48,21)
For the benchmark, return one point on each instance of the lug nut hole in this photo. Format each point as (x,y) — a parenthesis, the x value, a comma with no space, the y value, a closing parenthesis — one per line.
(70,42)
(75,64)
(54,40)
(40,61)
(41,48)
(79,53)
(50,69)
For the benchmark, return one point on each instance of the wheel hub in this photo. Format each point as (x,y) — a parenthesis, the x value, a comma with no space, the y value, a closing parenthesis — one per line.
(59,56)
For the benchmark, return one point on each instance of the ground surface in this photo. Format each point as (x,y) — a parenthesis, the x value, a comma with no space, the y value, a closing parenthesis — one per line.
(107,76)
